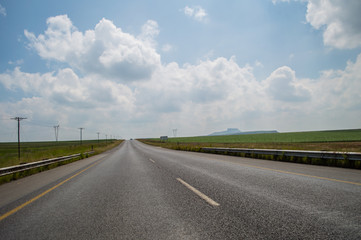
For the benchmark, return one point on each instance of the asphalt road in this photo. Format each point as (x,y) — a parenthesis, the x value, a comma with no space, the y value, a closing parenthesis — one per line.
(141,192)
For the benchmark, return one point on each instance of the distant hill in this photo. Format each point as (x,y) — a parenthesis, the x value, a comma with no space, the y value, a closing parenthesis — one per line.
(229,131)
(236,131)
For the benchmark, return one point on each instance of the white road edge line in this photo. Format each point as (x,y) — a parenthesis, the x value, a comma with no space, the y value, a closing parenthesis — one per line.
(151,160)
(201,195)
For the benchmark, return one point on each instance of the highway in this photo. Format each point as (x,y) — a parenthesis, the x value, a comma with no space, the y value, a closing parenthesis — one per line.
(136,191)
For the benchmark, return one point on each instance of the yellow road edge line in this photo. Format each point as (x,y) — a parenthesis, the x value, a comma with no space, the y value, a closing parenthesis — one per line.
(200,194)
(301,174)
(43,193)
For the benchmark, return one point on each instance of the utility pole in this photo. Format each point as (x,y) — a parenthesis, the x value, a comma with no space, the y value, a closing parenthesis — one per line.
(56,129)
(18,119)
(98,136)
(106,138)
(81,135)
(175,132)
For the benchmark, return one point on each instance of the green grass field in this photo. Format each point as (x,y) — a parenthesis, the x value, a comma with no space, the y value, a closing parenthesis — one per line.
(292,137)
(338,140)
(35,151)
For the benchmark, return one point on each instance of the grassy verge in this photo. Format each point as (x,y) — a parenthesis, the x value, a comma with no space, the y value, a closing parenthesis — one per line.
(48,150)
(336,141)
(313,146)
(35,151)
(291,137)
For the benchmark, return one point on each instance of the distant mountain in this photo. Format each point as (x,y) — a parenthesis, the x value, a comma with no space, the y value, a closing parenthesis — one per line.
(236,131)
(229,131)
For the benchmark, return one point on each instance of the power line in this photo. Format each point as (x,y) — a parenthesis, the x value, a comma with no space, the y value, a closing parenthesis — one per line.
(39,124)
(5,119)
(33,126)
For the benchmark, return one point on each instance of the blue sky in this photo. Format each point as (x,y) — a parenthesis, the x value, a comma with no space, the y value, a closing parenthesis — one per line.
(143,68)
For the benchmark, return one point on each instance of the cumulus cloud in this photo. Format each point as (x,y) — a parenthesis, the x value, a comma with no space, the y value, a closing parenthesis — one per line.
(219,92)
(339,19)
(195,98)
(197,12)
(207,82)
(149,31)
(68,89)
(106,50)
(339,89)
(282,85)
(64,97)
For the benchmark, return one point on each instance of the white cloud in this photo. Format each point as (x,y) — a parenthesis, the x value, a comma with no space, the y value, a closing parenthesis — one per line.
(66,88)
(282,85)
(339,89)
(106,51)
(197,12)
(149,31)
(96,104)
(207,82)
(167,48)
(195,98)
(215,93)
(17,62)
(188,11)
(340,19)
(2,11)
(277,1)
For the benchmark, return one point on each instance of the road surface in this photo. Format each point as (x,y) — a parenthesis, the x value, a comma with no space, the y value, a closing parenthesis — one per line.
(138,191)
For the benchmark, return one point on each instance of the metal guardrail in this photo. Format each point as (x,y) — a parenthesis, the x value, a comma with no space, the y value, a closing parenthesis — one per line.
(353,156)
(27,166)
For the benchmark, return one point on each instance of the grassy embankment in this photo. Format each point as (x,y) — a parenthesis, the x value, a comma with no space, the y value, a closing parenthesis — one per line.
(339,140)
(36,151)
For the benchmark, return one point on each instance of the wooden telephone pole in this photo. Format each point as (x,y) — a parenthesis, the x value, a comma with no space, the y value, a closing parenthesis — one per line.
(81,135)
(18,119)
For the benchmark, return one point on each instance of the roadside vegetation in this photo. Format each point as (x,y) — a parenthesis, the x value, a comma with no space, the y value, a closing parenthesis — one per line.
(334,141)
(338,140)
(36,151)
